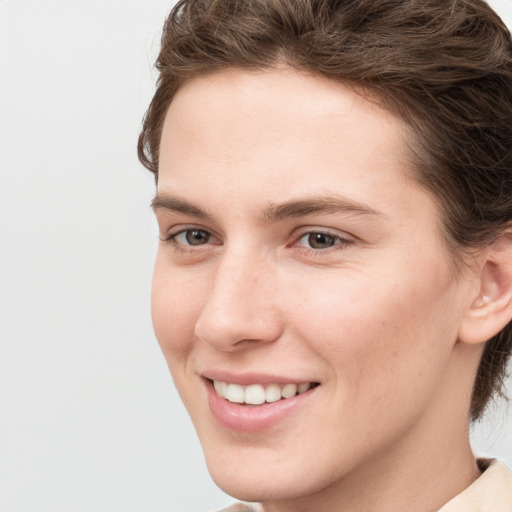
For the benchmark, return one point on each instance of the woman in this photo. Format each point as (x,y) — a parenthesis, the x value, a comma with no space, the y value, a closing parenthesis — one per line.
(333,287)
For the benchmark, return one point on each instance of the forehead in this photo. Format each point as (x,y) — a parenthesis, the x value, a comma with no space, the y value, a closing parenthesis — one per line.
(279,133)
(275,106)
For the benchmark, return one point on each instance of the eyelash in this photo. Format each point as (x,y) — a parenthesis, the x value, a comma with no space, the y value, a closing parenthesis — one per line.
(171,238)
(339,242)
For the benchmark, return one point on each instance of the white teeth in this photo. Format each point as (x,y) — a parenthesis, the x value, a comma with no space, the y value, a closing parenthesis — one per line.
(289,390)
(304,386)
(272,393)
(254,394)
(235,393)
(257,394)
(220,387)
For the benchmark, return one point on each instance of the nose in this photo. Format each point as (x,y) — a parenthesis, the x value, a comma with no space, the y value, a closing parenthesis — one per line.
(240,310)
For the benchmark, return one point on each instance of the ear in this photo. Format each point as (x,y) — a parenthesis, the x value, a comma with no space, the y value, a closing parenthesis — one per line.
(491,310)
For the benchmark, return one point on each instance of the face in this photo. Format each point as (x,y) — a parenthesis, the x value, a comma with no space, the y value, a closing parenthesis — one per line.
(302,294)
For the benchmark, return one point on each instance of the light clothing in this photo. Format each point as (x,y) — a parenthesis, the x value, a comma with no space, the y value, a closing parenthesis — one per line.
(491,492)
(242,507)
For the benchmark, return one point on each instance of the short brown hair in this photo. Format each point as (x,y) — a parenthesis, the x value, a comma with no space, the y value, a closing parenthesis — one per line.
(443,66)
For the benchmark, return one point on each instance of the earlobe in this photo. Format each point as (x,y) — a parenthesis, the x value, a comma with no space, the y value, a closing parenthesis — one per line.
(491,310)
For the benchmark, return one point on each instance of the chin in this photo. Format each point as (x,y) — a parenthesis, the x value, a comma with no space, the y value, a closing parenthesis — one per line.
(245,486)
(253,480)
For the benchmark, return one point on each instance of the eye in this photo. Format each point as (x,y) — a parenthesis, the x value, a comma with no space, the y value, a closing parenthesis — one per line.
(319,240)
(191,237)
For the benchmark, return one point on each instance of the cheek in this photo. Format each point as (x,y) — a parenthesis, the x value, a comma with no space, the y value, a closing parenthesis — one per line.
(174,310)
(378,329)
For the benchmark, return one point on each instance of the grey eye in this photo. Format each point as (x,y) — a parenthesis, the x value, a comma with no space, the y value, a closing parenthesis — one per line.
(193,237)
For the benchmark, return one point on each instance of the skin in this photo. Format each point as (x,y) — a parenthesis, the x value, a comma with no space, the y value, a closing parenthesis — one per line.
(374,318)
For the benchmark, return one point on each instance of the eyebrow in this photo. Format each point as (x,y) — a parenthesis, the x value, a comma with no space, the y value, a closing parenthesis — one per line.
(274,212)
(317,205)
(175,204)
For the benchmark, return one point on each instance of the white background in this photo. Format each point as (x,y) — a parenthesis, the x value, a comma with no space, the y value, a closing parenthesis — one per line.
(89,419)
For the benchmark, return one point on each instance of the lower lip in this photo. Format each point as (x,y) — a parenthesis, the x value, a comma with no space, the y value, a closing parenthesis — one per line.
(244,418)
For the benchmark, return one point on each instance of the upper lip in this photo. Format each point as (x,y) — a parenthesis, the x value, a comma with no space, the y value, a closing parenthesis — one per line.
(248,378)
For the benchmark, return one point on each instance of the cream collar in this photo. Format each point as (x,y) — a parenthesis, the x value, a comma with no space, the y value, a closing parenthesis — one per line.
(491,492)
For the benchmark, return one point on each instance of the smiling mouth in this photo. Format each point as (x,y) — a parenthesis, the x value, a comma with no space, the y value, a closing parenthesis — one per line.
(259,394)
